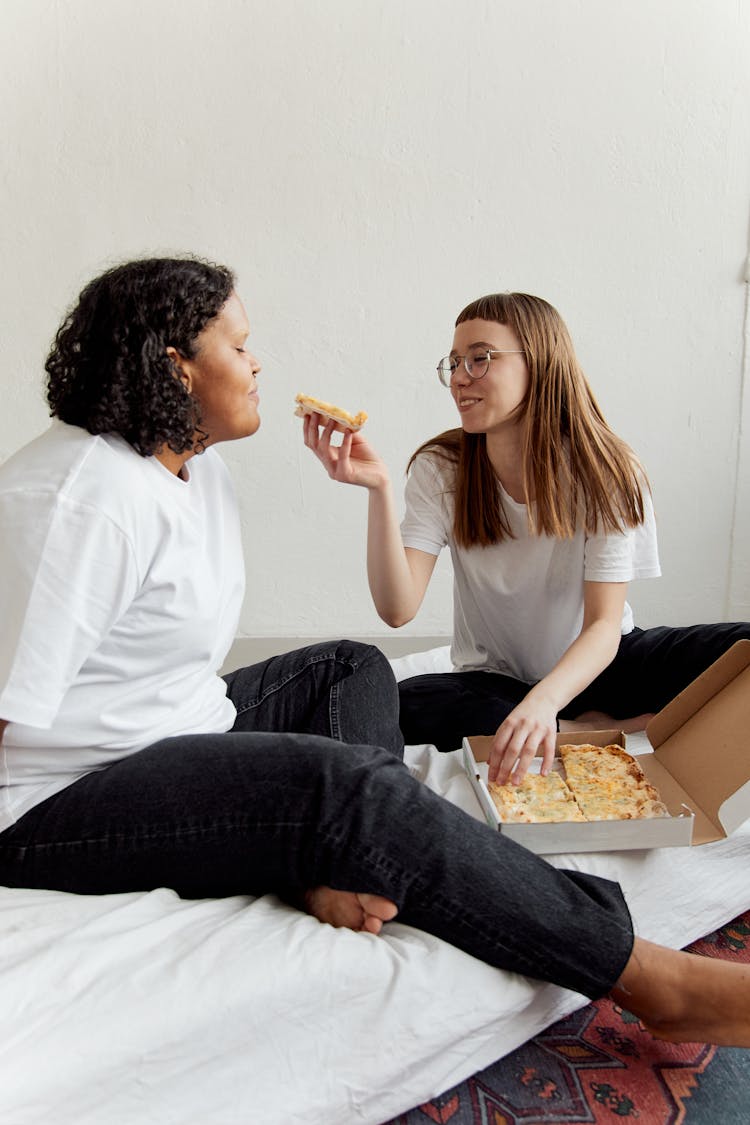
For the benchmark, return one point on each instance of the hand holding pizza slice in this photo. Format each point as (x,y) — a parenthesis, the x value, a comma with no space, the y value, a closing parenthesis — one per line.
(306,404)
(353,461)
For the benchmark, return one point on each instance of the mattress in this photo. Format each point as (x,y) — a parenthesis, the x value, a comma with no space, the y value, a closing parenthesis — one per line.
(137,1008)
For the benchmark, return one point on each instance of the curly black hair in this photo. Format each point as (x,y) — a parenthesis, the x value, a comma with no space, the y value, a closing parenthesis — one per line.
(108,368)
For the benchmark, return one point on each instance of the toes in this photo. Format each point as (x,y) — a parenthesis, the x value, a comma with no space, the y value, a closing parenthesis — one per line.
(378,907)
(359,912)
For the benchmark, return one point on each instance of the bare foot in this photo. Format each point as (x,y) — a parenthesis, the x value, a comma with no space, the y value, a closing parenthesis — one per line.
(361,912)
(599,720)
(686,998)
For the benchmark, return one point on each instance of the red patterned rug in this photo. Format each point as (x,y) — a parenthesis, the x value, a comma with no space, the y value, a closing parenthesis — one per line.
(599,1065)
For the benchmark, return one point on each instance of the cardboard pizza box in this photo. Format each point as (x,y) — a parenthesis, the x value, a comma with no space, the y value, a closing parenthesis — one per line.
(700,765)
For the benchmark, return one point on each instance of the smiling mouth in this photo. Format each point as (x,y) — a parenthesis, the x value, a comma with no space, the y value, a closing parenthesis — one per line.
(465,403)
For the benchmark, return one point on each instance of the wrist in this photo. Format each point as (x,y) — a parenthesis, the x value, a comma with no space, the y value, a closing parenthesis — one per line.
(543,696)
(380,485)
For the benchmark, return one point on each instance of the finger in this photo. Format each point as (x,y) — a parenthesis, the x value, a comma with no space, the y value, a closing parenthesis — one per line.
(343,454)
(520,750)
(321,442)
(311,423)
(510,743)
(501,768)
(500,742)
(525,759)
(548,752)
(506,766)
(328,428)
(346,442)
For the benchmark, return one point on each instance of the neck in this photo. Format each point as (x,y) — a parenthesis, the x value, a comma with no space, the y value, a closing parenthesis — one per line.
(505,451)
(173,461)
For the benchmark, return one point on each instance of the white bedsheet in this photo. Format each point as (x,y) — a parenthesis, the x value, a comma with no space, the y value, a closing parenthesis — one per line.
(140,1008)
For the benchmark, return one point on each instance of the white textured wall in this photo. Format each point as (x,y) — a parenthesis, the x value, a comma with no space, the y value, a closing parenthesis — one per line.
(368,168)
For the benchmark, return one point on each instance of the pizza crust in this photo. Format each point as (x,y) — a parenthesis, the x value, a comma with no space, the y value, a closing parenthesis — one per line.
(600,783)
(306,404)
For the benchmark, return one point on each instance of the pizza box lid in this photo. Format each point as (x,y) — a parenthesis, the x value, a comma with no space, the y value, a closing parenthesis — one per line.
(701,740)
(700,765)
(573,836)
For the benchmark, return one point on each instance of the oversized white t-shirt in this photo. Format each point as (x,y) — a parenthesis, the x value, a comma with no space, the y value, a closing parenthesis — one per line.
(120,591)
(518,604)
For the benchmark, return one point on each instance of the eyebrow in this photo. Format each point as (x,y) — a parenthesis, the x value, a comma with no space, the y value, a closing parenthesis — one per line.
(476,344)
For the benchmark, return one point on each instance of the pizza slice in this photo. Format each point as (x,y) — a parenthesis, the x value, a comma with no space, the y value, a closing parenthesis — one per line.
(609,784)
(601,802)
(585,761)
(536,800)
(306,404)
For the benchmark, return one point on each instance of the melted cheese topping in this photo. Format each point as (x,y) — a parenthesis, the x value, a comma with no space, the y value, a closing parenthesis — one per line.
(535,800)
(306,404)
(601,783)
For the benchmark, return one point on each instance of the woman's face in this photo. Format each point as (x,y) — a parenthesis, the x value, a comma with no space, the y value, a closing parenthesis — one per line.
(489,404)
(222,376)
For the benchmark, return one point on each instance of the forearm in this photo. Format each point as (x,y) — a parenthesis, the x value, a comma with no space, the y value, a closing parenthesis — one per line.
(395,591)
(594,648)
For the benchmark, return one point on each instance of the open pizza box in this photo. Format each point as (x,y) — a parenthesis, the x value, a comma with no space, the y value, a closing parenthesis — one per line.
(700,765)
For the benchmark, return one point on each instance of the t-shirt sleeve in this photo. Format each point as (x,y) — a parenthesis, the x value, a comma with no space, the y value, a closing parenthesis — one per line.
(66,574)
(624,556)
(425,524)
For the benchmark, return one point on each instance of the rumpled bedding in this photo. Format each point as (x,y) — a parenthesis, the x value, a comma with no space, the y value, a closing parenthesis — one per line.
(138,1008)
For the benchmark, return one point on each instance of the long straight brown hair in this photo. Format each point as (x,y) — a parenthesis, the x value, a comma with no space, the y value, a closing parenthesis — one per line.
(580,473)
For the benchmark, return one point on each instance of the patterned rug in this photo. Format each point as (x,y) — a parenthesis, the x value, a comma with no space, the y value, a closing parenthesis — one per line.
(599,1065)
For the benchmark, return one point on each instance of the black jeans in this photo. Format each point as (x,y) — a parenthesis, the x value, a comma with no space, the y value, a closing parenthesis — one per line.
(269,807)
(651,667)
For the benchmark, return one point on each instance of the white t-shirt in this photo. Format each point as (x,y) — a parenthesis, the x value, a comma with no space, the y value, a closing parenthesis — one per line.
(120,591)
(518,604)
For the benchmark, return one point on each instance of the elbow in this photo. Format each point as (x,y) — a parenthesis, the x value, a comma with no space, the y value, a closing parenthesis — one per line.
(395,618)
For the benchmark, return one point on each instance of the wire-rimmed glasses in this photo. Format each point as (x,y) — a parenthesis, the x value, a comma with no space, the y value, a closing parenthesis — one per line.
(477,364)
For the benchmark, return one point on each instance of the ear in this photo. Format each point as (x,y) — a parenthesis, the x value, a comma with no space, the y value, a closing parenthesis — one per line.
(181,367)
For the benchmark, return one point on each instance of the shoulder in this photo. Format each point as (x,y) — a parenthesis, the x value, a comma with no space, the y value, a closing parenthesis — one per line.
(56,458)
(66,469)
(431,483)
(433,464)
(63,463)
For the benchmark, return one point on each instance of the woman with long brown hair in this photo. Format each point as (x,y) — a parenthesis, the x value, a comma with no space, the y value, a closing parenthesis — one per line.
(548,516)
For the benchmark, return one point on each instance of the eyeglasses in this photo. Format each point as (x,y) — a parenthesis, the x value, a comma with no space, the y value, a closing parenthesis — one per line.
(477,364)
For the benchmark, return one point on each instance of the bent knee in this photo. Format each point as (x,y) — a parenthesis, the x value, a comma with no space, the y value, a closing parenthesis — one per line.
(365,656)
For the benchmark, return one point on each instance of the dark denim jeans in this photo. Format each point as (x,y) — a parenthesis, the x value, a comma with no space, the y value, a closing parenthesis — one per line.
(652,666)
(285,802)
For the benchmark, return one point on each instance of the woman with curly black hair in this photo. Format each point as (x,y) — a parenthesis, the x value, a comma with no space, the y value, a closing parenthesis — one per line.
(109,370)
(129,763)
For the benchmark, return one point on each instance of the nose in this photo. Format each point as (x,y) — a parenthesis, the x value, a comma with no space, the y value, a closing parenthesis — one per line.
(460,376)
